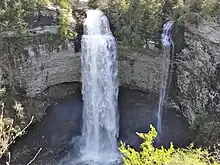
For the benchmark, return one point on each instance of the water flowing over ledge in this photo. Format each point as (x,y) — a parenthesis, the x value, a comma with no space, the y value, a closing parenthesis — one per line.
(98,144)
(166,60)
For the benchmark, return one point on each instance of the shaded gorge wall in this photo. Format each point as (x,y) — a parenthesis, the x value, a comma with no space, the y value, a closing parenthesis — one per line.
(32,64)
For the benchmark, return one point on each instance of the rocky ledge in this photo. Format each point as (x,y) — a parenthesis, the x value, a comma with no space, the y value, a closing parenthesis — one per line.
(39,65)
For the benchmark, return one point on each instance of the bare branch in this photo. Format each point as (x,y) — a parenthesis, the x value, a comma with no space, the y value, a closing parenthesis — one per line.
(35,156)
(18,134)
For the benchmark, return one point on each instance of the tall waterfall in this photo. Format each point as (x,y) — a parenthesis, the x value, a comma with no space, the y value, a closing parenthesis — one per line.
(99,90)
(166,63)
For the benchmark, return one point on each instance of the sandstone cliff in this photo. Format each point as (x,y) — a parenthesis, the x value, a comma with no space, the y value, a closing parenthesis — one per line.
(33,64)
(35,67)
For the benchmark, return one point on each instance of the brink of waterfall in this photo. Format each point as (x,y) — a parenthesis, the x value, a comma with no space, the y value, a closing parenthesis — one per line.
(166,64)
(100,91)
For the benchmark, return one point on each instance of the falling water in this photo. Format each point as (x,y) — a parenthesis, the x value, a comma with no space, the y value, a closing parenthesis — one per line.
(100,90)
(168,52)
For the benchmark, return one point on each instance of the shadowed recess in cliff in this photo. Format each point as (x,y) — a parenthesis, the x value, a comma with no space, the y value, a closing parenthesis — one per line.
(166,64)
(98,144)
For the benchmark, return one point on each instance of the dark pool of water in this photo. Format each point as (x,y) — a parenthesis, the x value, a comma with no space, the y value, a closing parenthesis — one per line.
(62,124)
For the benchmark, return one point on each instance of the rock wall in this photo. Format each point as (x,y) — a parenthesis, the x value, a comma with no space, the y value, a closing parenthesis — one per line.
(43,68)
(37,66)
(196,79)
(139,69)
(32,64)
(33,67)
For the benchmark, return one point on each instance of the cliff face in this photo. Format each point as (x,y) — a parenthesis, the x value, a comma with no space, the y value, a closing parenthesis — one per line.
(33,64)
(42,68)
(139,69)
(197,78)
(195,81)
(36,67)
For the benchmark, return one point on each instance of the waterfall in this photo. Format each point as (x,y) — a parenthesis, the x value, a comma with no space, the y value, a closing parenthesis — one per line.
(100,90)
(166,63)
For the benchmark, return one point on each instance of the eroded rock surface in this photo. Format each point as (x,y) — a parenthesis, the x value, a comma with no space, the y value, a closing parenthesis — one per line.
(30,66)
(139,69)
(37,67)
(197,79)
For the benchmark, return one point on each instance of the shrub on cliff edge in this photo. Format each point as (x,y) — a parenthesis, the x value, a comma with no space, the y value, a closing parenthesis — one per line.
(9,129)
(161,156)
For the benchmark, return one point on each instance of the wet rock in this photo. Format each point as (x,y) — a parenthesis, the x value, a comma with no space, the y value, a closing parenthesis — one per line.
(139,69)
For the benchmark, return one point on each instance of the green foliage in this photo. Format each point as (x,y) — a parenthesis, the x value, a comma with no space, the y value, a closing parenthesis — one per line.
(216,151)
(65,18)
(7,127)
(11,126)
(161,156)
(43,3)
(65,15)
(15,14)
(136,21)
(192,10)
(211,7)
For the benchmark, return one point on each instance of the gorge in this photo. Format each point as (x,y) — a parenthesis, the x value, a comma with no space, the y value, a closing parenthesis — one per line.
(43,72)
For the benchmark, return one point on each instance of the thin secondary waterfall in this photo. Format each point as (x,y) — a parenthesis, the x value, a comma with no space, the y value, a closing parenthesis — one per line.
(99,89)
(166,63)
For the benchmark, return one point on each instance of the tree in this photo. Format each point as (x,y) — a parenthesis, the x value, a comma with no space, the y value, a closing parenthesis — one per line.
(15,14)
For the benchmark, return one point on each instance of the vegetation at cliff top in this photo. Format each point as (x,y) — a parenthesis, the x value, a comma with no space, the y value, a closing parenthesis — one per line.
(16,14)
(138,23)
(192,10)
(138,18)
(161,156)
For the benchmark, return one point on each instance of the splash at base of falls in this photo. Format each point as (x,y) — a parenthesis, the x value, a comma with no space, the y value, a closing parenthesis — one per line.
(166,63)
(98,144)
(102,159)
